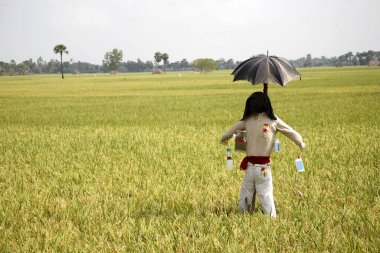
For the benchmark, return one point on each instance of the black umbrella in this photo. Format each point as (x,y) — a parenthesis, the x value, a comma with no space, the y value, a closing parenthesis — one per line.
(266,69)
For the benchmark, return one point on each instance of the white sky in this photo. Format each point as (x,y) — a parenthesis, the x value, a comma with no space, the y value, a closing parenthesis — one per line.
(187,29)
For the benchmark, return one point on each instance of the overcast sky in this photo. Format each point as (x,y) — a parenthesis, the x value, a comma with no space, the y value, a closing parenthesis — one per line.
(187,29)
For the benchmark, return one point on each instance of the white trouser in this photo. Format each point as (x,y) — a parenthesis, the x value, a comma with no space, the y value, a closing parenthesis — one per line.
(258,177)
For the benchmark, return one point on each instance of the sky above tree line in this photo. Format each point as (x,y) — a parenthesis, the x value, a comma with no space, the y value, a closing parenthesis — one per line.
(188,29)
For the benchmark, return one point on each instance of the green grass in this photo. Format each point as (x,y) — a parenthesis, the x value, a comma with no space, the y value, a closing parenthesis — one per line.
(132,163)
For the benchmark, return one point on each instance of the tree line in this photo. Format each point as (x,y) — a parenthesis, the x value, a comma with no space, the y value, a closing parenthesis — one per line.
(113,62)
(369,58)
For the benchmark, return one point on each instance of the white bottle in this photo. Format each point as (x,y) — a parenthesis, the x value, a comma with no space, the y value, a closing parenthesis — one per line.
(277,145)
(230,162)
(299,164)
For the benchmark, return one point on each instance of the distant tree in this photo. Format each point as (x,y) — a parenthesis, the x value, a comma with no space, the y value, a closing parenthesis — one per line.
(221,63)
(317,62)
(230,64)
(112,60)
(324,61)
(158,58)
(362,58)
(52,66)
(308,61)
(370,56)
(12,68)
(334,61)
(139,66)
(354,60)
(40,65)
(24,68)
(61,49)
(376,55)
(3,68)
(165,58)
(184,64)
(148,66)
(204,65)
(349,58)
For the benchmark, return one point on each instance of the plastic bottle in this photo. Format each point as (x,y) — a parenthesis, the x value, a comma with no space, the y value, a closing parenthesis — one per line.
(230,162)
(277,145)
(299,164)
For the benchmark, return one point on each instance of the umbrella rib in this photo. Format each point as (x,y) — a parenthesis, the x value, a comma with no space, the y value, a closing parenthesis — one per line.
(244,68)
(278,73)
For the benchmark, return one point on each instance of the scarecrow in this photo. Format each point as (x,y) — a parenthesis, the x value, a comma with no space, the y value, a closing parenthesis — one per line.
(261,125)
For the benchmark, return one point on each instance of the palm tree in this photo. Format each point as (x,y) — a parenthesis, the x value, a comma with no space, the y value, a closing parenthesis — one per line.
(158,58)
(165,58)
(61,49)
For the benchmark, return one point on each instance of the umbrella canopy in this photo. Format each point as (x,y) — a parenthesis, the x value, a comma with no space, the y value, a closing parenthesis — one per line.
(266,69)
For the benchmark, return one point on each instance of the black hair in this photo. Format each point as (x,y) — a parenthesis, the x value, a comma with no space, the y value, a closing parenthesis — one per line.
(256,103)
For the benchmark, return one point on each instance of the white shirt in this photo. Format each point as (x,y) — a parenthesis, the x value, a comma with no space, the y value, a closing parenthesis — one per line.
(261,132)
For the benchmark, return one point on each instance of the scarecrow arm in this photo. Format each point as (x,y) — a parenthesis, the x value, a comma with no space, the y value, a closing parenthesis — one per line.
(289,132)
(240,125)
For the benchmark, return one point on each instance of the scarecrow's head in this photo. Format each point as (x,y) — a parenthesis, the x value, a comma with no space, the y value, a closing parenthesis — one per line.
(258,102)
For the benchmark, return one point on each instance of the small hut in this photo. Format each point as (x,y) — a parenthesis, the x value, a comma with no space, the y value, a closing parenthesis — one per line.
(158,72)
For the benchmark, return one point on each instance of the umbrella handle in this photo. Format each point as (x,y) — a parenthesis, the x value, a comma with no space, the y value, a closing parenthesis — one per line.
(265,88)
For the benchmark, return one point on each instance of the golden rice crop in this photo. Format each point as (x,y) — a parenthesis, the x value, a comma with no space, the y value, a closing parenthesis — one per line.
(132,163)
